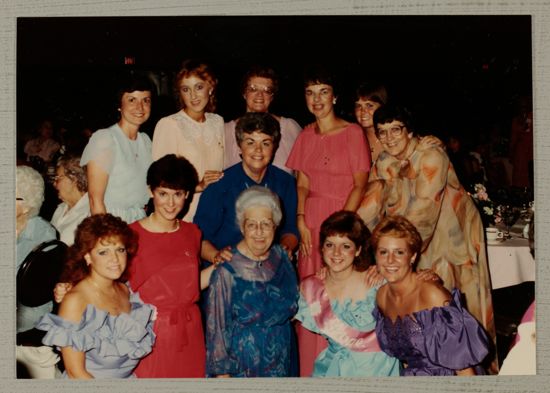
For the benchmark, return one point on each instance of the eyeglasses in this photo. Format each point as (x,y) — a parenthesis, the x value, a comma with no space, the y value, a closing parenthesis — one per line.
(253,89)
(253,226)
(394,131)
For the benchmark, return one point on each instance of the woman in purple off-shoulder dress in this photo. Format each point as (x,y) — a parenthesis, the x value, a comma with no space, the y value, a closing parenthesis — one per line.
(420,322)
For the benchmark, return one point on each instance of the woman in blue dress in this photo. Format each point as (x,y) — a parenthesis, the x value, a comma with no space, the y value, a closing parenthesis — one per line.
(102,329)
(417,321)
(117,158)
(252,298)
(338,304)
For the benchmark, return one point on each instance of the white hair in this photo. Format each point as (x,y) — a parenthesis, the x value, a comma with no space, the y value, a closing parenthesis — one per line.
(30,186)
(258,196)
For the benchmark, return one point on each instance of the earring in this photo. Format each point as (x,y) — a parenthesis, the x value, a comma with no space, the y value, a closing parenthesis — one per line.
(334,101)
(210,93)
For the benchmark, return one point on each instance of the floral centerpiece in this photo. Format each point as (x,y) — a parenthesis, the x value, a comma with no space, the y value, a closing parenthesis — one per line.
(490,213)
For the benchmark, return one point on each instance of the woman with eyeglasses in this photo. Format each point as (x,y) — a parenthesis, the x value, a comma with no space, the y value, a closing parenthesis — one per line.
(421,185)
(72,188)
(259,87)
(195,132)
(253,297)
(332,160)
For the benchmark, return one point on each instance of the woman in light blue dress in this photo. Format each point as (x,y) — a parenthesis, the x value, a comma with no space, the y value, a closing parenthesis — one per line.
(339,306)
(102,329)
(117,158)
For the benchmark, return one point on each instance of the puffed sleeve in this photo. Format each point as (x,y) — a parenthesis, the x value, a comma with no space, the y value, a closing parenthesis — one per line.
(453,337)
(125,334)
(219,324)
(304,315)
(100,150)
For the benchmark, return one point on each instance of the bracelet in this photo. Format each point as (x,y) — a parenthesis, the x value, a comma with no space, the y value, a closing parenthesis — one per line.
(300,214)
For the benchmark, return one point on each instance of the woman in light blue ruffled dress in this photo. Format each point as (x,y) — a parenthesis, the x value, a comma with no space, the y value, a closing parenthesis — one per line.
(117,158)
(102,329)
(339,305)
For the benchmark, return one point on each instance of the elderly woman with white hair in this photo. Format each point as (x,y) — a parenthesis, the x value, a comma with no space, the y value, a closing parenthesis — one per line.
(252,298)
(72,188)
(31,230)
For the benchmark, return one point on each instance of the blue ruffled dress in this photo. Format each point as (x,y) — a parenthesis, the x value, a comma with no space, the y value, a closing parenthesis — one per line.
(434,341)
(339,361)
(113,344)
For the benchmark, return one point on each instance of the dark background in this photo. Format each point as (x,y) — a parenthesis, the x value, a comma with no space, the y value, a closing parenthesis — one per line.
(458,74)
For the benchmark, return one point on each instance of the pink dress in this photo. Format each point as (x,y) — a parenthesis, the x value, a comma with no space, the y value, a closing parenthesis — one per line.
(329,162)
(165,272)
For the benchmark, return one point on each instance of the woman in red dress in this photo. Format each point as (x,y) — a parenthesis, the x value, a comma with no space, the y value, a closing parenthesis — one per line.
(165,272)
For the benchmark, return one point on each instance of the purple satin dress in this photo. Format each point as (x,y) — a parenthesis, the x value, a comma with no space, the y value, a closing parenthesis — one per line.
(436,341)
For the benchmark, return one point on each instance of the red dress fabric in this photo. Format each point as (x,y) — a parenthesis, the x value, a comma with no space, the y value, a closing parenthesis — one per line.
(329,162)
(165,272)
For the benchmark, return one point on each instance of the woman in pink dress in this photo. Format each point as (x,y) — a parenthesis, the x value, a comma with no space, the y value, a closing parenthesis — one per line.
(332,161)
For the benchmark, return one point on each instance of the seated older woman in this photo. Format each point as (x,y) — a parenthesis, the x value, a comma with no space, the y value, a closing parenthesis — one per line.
(71,185)
(31,231)
(102,329)
(420,322)
(252,298)
(420,184)
(258,135)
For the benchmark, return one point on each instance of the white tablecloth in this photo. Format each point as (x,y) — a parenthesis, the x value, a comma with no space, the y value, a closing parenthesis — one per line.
(510,263)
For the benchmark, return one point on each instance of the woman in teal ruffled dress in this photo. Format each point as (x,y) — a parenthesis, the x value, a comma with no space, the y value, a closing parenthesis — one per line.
(339,306)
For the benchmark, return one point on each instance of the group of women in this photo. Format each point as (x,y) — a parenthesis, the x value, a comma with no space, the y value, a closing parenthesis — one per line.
(290,191)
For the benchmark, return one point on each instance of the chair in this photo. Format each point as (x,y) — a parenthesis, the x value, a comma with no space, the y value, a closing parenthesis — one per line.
(39,272)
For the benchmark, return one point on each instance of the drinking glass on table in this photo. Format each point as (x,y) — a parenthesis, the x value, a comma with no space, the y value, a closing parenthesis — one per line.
(510,215)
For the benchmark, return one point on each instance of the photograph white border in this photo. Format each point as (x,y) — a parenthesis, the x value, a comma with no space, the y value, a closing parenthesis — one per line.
(11,10)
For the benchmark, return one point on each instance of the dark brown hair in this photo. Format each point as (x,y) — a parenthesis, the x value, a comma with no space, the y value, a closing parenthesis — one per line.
(349,224)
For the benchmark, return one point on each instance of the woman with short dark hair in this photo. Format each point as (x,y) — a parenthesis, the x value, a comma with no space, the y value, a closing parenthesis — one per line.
(332,161)
(420,184)
(117,158)
(339,306)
